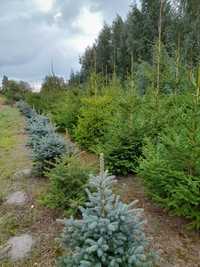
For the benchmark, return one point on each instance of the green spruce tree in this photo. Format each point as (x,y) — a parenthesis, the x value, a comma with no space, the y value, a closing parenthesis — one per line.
(170,166)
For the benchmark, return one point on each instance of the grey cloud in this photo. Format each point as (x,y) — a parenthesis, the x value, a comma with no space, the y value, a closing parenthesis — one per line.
(112,8)
(109,8)
(30,38)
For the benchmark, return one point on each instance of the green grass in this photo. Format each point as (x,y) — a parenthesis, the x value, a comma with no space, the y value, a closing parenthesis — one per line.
(14,220)
(9,123)
(12,156)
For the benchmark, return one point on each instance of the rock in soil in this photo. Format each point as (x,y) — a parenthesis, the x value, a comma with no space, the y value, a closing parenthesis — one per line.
(4,251)
(20,247)
(26,173)
(17,198)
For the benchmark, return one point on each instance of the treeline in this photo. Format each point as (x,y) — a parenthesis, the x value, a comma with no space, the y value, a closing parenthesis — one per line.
(155,135)
(14,90)
(129,45)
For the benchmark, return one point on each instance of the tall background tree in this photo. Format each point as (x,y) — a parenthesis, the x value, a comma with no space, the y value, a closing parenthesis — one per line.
(120,47)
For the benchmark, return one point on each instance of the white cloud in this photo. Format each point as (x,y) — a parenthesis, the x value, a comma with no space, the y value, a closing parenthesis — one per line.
(88,22)
(36,86)
(57,16)
(87,25)
(44,5)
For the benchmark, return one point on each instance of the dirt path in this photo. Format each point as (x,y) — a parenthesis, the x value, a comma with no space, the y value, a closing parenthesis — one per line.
(31,217)
(178,247)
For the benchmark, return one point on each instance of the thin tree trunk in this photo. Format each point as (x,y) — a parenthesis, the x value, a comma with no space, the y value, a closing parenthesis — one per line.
(177,62)
(159,45)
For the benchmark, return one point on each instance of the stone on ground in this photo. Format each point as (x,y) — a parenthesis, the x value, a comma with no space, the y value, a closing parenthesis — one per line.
(4,251)
(17,198)
(26,173)
(20,246)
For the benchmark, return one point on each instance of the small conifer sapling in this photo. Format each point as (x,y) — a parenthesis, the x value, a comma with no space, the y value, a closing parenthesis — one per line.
(110,233)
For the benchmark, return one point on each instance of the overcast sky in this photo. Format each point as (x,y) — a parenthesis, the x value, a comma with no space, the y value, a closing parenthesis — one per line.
(35,32)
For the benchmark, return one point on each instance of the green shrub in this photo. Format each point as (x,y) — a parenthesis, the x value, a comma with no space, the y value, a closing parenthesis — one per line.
(123,145)
(65,111)
(38,127)
(171,167)
(45,143)
(67,184)
(35,100)
(61,106)
(25,109)
(124,152)
(14,91)
(47,149)
(136,117)
(96,116)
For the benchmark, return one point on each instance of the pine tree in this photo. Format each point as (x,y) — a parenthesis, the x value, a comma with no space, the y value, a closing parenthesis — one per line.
(53,82)
(188,27)
(170,166)
(88,62)
(104,52)
(5,82)
(110,233)
(136,36)
(120,56)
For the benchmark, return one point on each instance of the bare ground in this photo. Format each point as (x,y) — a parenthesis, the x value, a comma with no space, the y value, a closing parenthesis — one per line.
(178,247)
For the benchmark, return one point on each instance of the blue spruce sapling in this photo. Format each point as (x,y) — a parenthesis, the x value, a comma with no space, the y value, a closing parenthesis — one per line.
(110,233)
